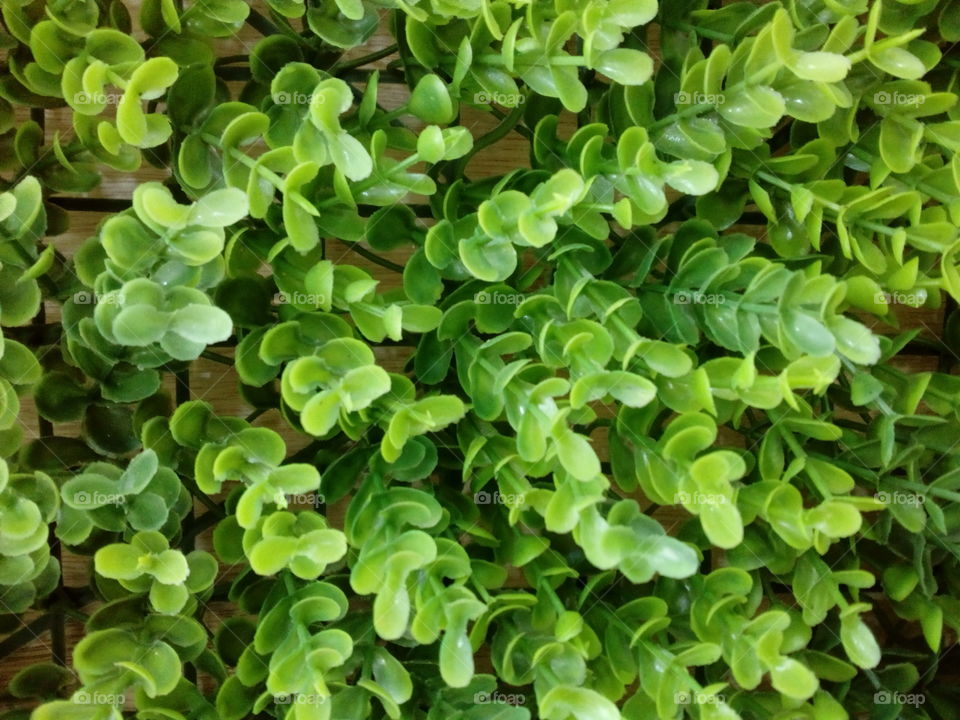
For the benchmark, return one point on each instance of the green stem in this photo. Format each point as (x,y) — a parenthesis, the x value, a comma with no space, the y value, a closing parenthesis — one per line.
(22,253)
(948,495)
(680,115)
(201,496)
(701,31)
(75,615)
(760,77)
(374,258)
(507,124)
(390,115)
(217,357)
(889,42)
(791,441)
(757,78)
(564,60)
(375,178)
(265,173)
(923,187)
(117,80)
(833,207)
(366,59)
(733,297)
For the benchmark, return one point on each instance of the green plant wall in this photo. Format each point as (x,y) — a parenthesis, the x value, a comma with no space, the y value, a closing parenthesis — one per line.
(686,302)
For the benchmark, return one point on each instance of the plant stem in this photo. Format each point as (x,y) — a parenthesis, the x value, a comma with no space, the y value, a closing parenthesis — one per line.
(204,499)
(217,357)
(265,173)
(701,31)
(835,208)
(374,258)
(560,60)
(365,60)
(508,123)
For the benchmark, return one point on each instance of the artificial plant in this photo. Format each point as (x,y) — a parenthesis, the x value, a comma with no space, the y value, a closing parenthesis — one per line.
(657,445)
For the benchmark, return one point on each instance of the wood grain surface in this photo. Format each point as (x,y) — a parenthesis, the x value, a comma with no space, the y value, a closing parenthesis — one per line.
(217,383)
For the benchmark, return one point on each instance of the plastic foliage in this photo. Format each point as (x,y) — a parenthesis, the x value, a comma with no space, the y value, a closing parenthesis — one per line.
(628,430)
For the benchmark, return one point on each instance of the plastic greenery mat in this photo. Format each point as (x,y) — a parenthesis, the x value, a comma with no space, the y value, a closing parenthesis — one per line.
(656,445)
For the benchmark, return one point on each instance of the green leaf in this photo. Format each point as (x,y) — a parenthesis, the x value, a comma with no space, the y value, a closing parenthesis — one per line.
(488,260)
(808,333)
(793,679)
(202,324)
(625,66)
(219,208)
(566,703)
(118,561)
(577,456)
(430,101)
(899,142)
(858,642)
(898,62)
(753,107)
(824,67)
(140,325)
